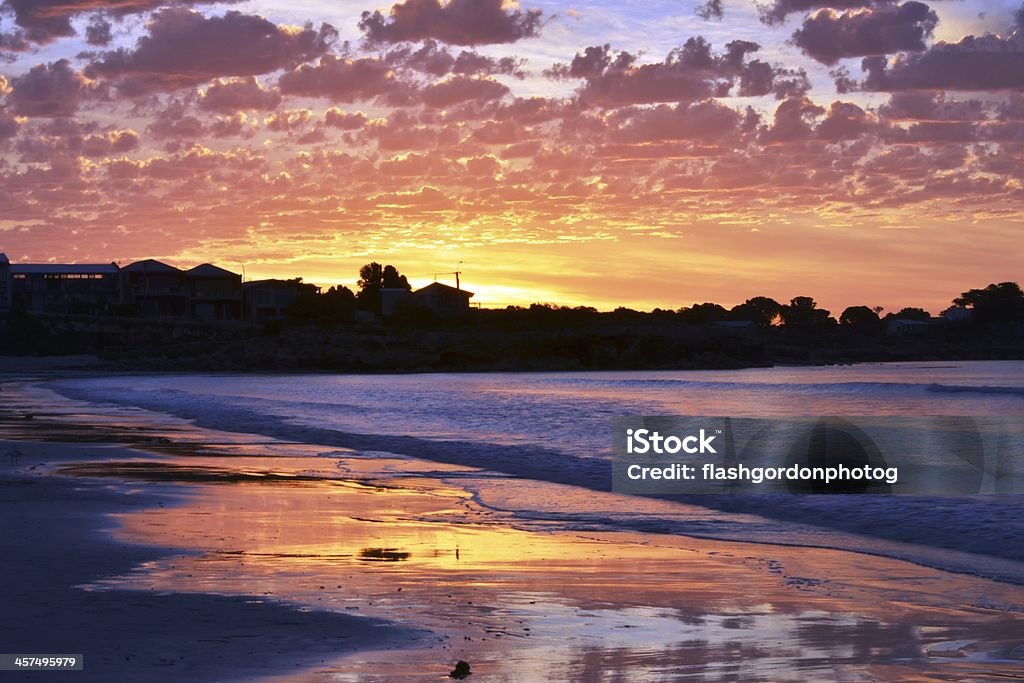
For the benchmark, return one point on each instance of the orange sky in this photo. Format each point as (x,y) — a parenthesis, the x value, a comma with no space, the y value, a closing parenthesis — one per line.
(607,154)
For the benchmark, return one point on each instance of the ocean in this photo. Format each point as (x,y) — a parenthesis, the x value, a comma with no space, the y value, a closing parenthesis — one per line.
(522,433)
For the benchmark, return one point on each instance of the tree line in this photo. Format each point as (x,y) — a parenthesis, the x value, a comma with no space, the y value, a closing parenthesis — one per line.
(995,304)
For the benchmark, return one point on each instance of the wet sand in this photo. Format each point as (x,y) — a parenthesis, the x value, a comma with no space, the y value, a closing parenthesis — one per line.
(59,537)
(228,557)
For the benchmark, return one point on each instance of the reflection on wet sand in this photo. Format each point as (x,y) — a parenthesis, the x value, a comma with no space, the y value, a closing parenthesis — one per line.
(538,605)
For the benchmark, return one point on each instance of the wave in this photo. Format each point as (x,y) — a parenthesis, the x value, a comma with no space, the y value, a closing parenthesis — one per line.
(858,388)
(980,389)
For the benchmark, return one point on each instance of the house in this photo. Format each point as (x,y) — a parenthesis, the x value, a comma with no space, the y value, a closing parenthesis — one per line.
(81,288)
(155,289)
(443,299)
(390,297)
(905,326)
(957,314)
(213,293)
(270,299)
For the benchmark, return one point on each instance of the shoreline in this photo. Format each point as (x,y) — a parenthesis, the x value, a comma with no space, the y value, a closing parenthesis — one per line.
(89,365)
(58,536)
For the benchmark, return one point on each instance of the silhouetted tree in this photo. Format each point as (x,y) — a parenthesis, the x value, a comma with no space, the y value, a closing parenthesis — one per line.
(372,278)
(910,313)
(764,311)
(1002,303)
(861,318)
(333,305)
(702,313)
(392,279)
(803,311)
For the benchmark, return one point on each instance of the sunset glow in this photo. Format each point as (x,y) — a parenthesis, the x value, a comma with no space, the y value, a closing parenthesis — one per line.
(650,154)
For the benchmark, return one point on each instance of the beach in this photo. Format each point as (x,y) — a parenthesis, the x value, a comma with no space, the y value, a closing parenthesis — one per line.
(163,545)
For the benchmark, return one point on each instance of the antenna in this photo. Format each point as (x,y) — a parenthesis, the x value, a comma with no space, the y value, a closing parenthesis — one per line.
(456,273)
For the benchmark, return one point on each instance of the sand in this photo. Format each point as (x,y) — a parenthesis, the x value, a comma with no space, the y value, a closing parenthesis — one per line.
(57,537)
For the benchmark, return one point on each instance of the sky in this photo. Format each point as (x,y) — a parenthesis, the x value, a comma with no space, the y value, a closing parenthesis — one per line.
(639,153)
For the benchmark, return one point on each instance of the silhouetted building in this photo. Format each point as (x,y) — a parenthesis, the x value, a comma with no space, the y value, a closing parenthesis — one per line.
(443,299)
(81,288)
(214,293)
(956,314)
(5,283)
(905,326)
(155,289)
(391,297)
(270,299)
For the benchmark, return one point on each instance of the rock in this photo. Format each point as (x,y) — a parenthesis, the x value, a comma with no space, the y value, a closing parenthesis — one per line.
(460,671)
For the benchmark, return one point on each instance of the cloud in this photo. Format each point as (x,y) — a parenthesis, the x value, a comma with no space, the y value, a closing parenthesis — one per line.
(402,131)
(47,20)
(457,22)
(505,132)
(110,143)
(690,73)
(592,63)
(936,132)
(793,121)
(484,166)
(235,125)
(437,60)
(930,106)
(712,9)
(474,63)
(288,121)
(336,118)
(459,89)
(427,198)
(9,124)
(828,36)
(340,79)
(706,121)
(98,32)
(986,63)
(776,12)
(227,96)
(1011,110)
(53,89)
(16,41)
(416,166)
(186,48)
(175,121)
(845,121)
(430,58)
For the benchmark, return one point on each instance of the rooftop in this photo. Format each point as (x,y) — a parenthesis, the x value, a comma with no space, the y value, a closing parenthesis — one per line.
(64,268)
(442,288)
(150,266)
(209,270)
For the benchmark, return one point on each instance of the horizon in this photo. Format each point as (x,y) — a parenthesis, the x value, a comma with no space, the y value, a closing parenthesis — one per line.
(354,288)
(712,152)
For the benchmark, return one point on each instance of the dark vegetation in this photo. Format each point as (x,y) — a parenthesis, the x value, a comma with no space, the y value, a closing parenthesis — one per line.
(338,330)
